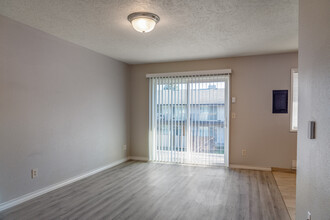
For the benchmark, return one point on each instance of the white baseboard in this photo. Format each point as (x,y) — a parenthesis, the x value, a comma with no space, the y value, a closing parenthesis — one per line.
(139,158)
(52,187)
(237,166)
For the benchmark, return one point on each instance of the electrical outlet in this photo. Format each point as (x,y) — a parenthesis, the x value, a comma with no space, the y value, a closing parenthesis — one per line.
(309,215)
(125,147)
(34,173)
(233,115)
(243,152)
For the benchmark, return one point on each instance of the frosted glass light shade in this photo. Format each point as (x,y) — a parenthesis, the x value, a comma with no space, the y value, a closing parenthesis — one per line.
(143,24)
(143,21)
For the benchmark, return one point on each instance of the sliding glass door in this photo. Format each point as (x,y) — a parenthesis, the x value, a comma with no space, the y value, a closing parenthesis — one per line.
(188,119)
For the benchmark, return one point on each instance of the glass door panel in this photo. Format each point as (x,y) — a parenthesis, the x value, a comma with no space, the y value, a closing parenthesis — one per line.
(189,120)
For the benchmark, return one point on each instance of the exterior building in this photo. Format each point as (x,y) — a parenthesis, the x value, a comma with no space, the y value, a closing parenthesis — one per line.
(202,107)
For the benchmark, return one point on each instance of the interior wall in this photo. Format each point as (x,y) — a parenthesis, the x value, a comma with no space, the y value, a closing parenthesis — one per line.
(313,177)
(265,136)
(63,109)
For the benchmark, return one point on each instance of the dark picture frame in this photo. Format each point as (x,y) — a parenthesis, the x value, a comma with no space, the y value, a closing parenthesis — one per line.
(280,101)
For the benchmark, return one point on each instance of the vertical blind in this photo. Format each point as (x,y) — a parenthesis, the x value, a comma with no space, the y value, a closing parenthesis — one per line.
(187,119)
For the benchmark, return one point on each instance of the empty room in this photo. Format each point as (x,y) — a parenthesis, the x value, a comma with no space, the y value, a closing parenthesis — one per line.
(165,109)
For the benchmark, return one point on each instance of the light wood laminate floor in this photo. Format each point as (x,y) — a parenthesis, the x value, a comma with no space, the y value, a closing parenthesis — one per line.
(137,190)
(286,182)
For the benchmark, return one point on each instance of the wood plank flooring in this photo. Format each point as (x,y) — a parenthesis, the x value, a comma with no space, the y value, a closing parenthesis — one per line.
(138,190)
(286,182)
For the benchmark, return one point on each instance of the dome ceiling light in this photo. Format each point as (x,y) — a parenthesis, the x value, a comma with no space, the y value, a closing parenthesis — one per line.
(143,21)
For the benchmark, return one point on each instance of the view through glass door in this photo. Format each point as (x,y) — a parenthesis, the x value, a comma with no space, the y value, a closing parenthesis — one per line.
(188,119)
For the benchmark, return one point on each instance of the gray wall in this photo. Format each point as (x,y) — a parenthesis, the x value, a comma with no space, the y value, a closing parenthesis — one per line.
(266,136)
(63,109)
(313,179)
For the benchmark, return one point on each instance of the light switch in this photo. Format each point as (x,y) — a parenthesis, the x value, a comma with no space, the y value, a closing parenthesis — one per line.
(233,99)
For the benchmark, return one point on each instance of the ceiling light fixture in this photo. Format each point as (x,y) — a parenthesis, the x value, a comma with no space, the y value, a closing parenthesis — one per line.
(143,21)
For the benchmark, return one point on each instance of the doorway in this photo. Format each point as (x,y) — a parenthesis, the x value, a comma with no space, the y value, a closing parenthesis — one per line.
(188,119)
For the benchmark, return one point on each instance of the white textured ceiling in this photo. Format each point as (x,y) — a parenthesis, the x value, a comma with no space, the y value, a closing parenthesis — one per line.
(188,29)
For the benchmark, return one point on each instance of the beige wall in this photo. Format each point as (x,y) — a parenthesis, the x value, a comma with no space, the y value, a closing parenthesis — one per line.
(266,136)
(313,179)
(63,109)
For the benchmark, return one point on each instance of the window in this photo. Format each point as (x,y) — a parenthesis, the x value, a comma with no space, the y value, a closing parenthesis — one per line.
(187,119)
(294,100)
